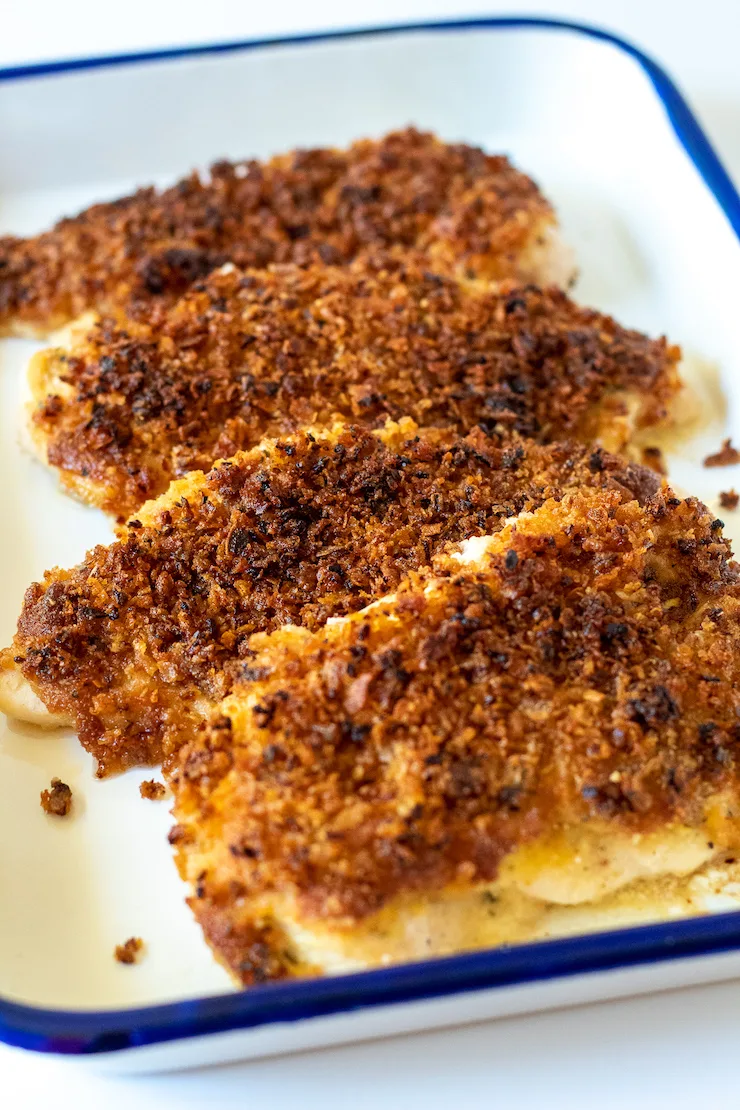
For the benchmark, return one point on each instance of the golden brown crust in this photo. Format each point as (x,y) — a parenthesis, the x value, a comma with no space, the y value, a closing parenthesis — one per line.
(244,356)
(469,212)
(586,669)
(253,950)
(137,639)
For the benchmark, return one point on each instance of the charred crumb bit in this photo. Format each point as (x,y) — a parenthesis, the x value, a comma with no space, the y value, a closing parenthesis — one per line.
(510,796)
(58,801)
(615,630)
(355,733)
(511,459)
(726,456)
(152,790)
(250,674)
(672,781)
(129,951)
(653,457)
(728,499)
(178,834)
(264,714)
(655,708)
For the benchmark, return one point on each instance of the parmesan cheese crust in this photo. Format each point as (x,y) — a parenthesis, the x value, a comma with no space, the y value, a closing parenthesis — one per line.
(549,720)
(138,642)
(469,213)
(130,406)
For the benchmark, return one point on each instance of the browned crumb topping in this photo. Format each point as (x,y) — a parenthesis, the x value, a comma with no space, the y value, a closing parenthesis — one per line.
(57,802)
(136,642)
(466,210)
(244,356)
(129,951)
(728,499)
(653,457)
(587,669)
(726,456)
(153,791)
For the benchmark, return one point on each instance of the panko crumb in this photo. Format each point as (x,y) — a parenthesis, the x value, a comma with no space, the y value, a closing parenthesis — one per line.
(728,499)
(58,800)
(128,952)
(653,457)
(726,456)
(152,790)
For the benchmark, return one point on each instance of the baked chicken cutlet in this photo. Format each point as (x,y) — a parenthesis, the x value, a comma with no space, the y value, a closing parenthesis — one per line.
(548,723)
(137,643)
(468,212)
(128,407)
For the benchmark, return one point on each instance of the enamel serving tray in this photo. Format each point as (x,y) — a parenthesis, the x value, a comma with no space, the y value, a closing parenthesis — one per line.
(655,222)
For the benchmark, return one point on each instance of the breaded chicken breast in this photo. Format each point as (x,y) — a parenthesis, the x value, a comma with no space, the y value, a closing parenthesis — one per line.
(138,642)
(469,213)
(550,721)
(128,407)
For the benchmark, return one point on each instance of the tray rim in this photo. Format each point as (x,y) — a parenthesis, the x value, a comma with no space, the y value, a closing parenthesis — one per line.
(92,1032)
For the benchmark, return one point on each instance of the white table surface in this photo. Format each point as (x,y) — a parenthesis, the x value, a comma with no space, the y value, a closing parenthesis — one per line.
(676,1050)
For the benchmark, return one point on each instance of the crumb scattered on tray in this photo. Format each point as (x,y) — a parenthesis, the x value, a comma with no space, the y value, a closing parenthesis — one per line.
(653,457)
(58,800)
(152,790)
(726,456)
(128,952)
(728,499)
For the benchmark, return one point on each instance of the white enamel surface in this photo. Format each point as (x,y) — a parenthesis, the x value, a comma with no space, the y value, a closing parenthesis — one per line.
(653,248)
(393,1020)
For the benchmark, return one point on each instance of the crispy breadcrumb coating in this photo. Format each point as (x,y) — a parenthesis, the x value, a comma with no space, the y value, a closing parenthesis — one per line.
(582,673)
(468,212)
(136,643)
(242,356)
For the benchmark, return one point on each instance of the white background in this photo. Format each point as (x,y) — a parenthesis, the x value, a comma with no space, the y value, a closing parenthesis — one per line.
(674,1050)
